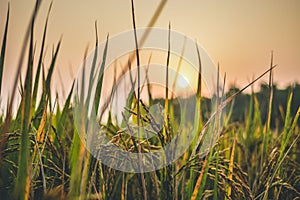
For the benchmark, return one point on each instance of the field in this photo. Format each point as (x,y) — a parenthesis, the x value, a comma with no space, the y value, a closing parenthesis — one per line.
(250,150)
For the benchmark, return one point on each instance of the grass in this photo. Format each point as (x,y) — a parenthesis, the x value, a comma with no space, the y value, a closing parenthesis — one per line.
(42,156)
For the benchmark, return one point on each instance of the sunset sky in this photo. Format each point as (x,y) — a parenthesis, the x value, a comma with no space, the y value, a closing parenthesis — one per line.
(238,34)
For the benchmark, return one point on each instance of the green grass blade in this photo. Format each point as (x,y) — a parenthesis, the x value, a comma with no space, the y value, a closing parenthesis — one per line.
(38,112)
(51,69)
(19,67)
(283,154)
(2,55)
(167,82)
(150,98)
(201,180)
(100,79)
(86,164)
(215,197)
(221,106)
(138,99)
(290,132)
(249,118)
(64,113)
(39,66)
(46,91)
(231,163)
(23,180)
(198,118)
(269,113)
(75,166)
(92,73)
(287,122)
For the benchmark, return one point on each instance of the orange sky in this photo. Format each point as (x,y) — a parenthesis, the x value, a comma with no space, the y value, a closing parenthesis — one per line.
(238,34)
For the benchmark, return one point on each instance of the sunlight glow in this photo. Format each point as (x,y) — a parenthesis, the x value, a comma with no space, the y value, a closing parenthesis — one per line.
(182,82)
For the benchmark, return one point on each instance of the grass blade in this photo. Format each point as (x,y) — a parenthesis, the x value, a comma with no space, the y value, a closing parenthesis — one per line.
(37,75)
(64,113)
(221,106)
(19,67)
(198,118)
(2,55)
(51,69)
(23,175)
(269,113)
(3,138)
(92,73)
(287,121)
(138,99)
(100,78)
(231,165)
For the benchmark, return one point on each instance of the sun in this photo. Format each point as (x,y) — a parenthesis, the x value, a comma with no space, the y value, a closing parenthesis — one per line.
(182,82)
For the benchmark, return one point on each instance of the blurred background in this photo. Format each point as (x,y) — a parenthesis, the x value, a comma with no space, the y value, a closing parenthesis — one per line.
(240,35)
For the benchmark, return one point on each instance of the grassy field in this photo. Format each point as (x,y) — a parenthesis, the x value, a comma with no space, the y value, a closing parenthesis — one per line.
(42,156)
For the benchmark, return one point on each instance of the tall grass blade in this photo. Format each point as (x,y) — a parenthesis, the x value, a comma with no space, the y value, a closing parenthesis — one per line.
(269,113)
(64,113)
(46,94)
(198,122)
(19,67)
(92,73)
(201,180)
(75,166)
(51,69)
(215,197)
(282,156)
(231,164)
(287,123)
(167,84)
(249,119)
(39,66)
(100,78)
(3,137)
(138,100)
(215,126)
(150,98)
(2,55)
(289,133)
(153,20)
(151,23)
(221,106)
(86,165)
(198,118)
(23,174)
(78,150)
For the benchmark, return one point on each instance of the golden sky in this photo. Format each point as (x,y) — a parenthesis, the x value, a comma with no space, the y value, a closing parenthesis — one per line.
(238,34)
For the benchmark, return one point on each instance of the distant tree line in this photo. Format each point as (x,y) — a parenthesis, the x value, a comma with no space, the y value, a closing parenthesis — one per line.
(241,104)
(279,103)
